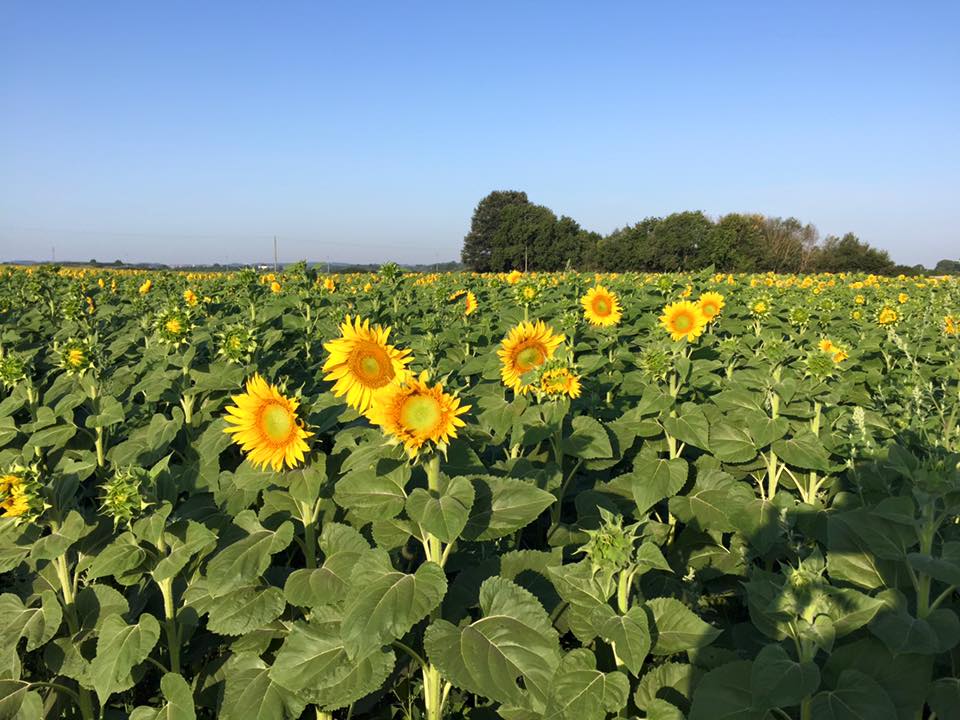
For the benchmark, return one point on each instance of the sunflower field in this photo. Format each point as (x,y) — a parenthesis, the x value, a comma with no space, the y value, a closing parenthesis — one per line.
(528,496)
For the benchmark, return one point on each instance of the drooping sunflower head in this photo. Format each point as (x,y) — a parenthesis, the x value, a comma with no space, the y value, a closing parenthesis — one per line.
(13,369)
(526,347)
(19,494)
(951,325)
(683,320)
(264,423)
(362,363)
(601,307)
(415,414)
(470,304)
(711,303)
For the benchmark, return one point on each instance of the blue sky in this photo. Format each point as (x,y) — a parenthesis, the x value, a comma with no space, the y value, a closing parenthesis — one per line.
(184,131)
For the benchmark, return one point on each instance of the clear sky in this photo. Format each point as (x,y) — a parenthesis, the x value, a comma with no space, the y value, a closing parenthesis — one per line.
(361,131)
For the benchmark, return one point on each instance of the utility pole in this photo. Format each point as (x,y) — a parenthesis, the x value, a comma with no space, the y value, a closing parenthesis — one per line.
(275,253)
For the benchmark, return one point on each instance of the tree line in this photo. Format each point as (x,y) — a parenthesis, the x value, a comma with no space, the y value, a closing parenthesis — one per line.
(508,232)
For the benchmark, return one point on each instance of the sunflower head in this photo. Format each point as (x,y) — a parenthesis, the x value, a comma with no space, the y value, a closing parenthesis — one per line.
(275,287)
(190,297)
(237,343)
(122,498)
(362,363)
(711,303)
(683,320)
(888,316)
(760,308)
(601,307)
(416,415)
(145,287)
(20,496)
(826,345)
(525,348)
(75,356)
(557,381)
(951,325)
(13,369)
(470,304)
(264,423)
(172,326)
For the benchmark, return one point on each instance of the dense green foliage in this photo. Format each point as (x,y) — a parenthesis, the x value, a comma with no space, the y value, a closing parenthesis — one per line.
(744,528)
(508,232)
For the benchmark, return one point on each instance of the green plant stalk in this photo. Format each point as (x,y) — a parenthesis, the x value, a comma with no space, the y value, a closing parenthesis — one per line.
(170,624)
(186,402)
(101,452)
(924,581)
(308,516)
(66,587)
(432,544)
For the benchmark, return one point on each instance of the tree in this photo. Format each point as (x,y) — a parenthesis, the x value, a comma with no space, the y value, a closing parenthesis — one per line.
(850,254)
(736,242)
(948,267)
(789,244)
(487,216)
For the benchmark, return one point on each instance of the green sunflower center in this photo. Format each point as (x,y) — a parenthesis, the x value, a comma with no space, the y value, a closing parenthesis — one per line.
(601,306)
(529,357)
(683,322)
(277,422)
(371,365)
(421,414)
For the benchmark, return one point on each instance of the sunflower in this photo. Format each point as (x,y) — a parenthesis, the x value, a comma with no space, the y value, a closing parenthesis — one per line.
(265,425)
(275,287)
(826,345)
(514,277)
(145,288)
(710,303)
(362,363)
(415,414)
(601,307)
(887,316)
(951,325)
(840,355)
(526,347)
(14,500)
(558,382)
(683,320)
(470,304)
(190,297)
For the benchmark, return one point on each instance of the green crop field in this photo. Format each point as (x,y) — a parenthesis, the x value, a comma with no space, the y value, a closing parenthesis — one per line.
(530,496)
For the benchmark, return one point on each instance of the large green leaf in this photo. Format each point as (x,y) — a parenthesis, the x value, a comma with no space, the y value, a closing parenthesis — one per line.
(731,443)
(120,647)
(342,548)
(502,506)
(246,609)
(242,562)
(581,692)
(670,681)
(250,694)
(677,628)
(630,636)
(178,705)
(690,426)
(803,450)
(37,623)
(382,603)
(373,494)
(779,682)
(856,697)
(513,639)
(314,664)
(654,479)
(726,694)
(588,440)
(443,514)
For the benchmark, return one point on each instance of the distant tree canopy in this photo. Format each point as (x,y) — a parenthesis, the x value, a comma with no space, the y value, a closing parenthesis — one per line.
(508,232)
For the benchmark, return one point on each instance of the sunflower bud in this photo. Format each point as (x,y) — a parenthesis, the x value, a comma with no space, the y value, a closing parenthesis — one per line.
(20,497)
(122,495)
